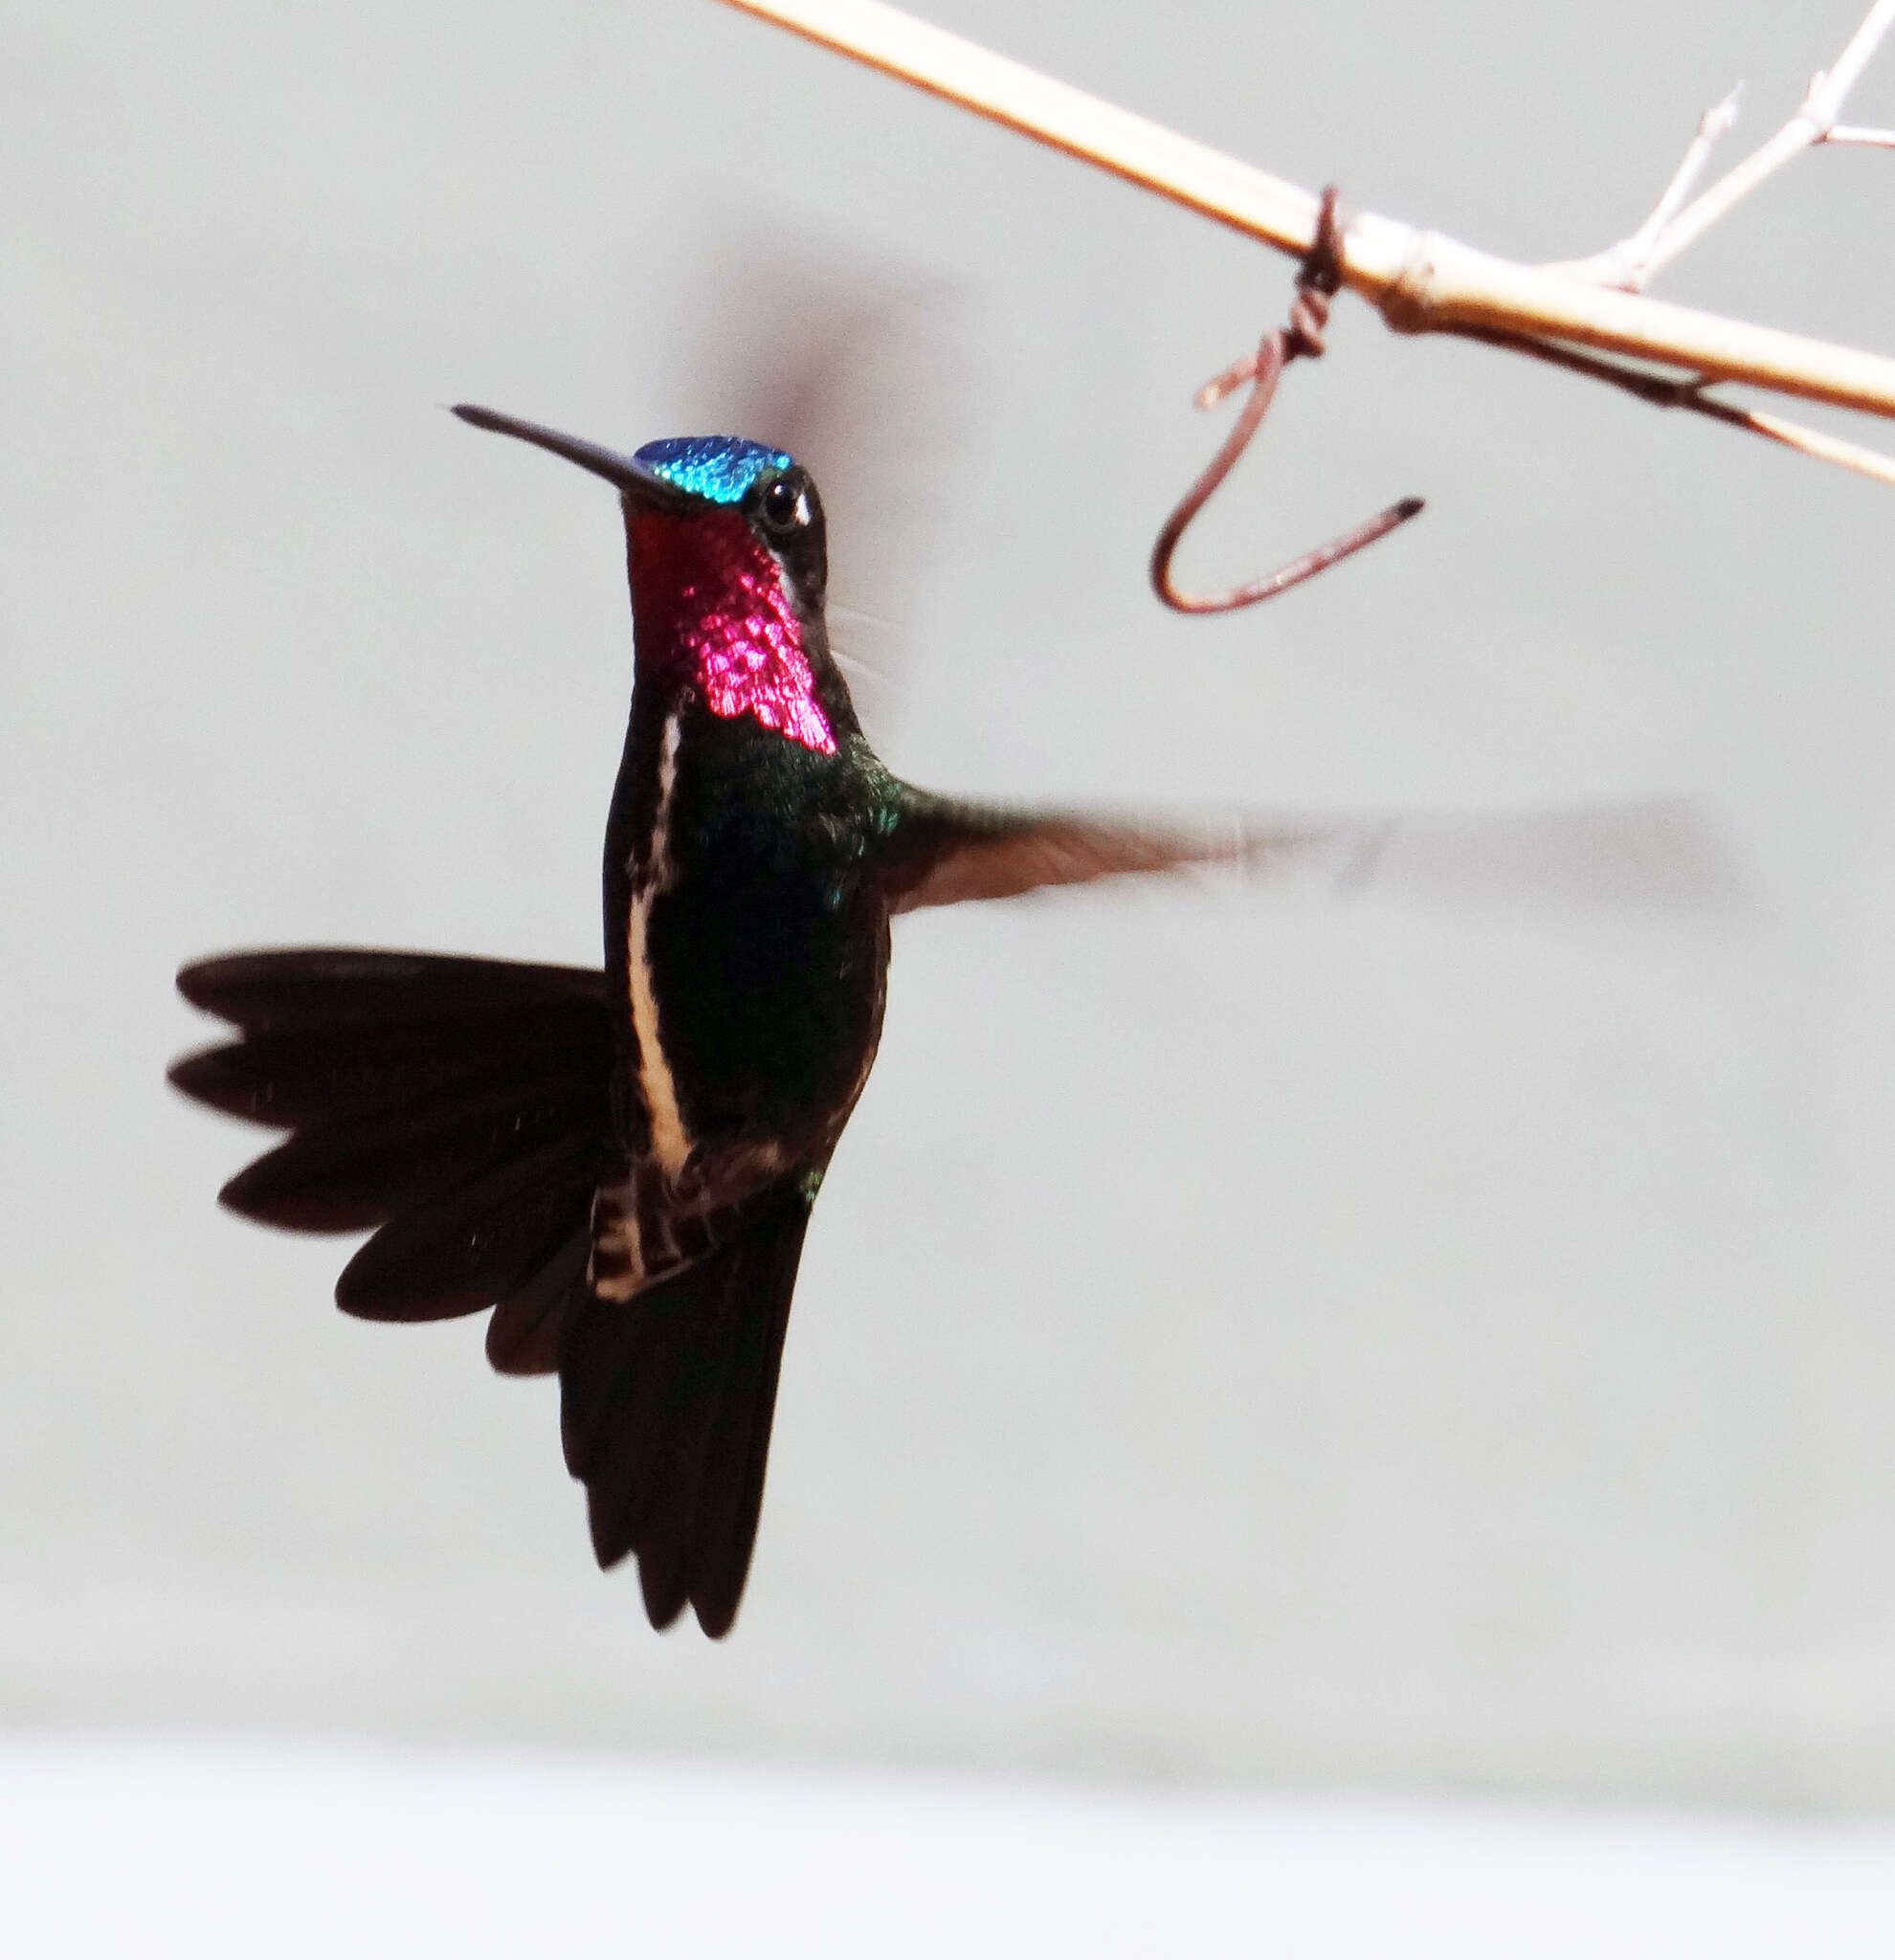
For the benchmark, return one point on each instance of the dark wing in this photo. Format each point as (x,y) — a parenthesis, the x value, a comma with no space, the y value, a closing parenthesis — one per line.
(667,1402)
(940,852)
(1659,857)
(459,1105)
(1665,855)
(863,366)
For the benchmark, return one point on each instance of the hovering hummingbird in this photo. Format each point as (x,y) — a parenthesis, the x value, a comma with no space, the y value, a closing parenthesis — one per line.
(622,1163)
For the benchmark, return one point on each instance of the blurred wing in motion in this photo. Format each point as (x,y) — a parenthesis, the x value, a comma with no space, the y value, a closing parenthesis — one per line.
(1663,858)
(1659,859)
(942,853)
(865,370)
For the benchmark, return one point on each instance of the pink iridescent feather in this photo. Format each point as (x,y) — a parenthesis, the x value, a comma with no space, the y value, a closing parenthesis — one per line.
(708,600)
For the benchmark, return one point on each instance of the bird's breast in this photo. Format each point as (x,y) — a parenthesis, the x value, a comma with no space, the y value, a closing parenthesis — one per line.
(755,944)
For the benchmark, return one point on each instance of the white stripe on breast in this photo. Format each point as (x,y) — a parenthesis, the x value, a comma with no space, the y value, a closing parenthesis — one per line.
(671,1145)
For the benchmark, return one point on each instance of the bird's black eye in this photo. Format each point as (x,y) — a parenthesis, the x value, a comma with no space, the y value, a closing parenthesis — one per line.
(784,506)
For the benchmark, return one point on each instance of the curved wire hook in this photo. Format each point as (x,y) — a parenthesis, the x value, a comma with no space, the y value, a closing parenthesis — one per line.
(1318,280)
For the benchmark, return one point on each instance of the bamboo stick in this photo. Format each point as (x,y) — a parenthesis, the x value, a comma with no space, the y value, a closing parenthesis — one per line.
(1421,281)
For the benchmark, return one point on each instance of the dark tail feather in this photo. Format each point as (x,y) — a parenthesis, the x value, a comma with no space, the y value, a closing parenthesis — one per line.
(524,1334)
(366,1166)
(666,1405)
(322,986)
(474,1243)
(732,1499)
(461,1105)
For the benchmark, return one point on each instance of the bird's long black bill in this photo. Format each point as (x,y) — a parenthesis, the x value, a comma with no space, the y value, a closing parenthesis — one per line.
(627,472)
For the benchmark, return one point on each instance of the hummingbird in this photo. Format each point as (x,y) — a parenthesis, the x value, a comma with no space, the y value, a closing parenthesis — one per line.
(621,1162)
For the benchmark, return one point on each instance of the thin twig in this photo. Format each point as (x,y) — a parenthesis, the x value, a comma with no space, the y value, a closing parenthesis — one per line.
(1421,281)
(1713,123)
(1668,391)
(1623,264)
(1813,123)
(1868,139)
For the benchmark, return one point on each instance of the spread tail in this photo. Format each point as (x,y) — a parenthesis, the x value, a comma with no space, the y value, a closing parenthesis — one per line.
(458,1107)
(462,1110)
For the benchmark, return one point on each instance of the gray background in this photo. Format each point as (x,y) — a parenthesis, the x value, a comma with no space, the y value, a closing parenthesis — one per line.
(1292,1337)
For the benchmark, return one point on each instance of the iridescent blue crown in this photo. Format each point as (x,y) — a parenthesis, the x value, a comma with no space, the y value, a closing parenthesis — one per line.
(719,467)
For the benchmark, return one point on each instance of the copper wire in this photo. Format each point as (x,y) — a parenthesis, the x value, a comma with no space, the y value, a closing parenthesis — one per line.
(1317,282)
